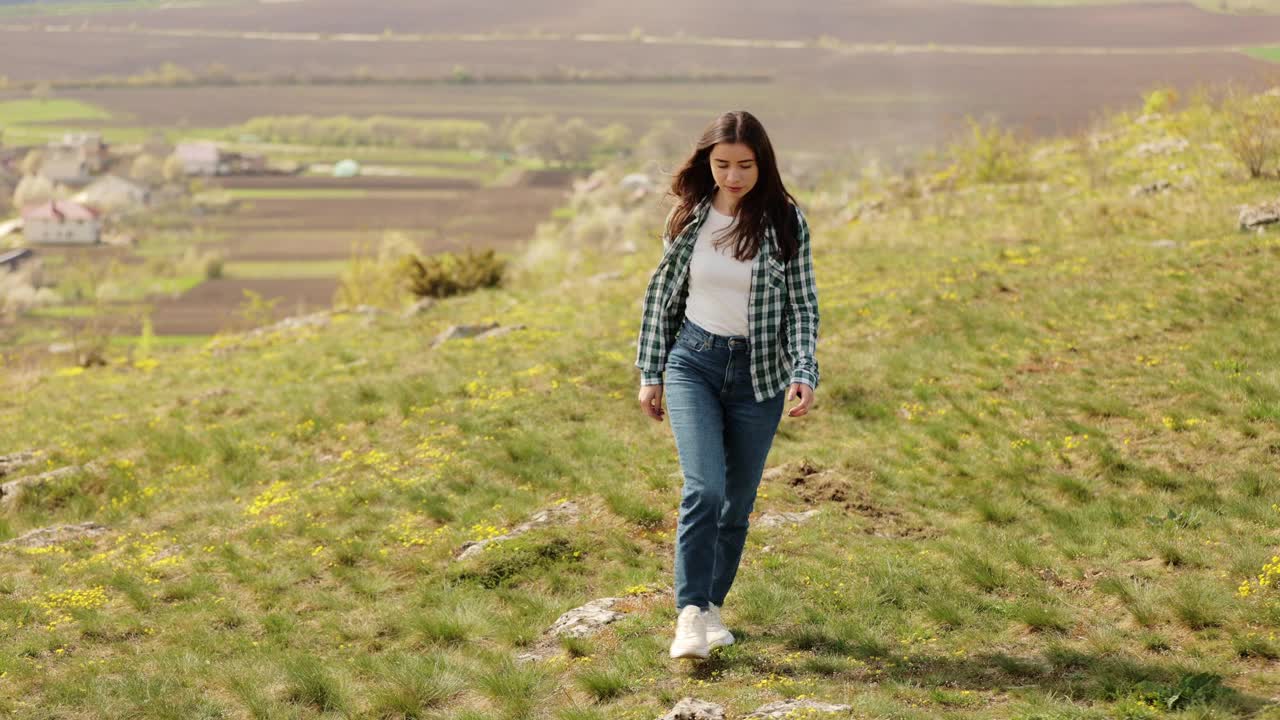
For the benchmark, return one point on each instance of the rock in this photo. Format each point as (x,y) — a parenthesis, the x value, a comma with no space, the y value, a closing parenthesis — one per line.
(453,332)
(1151,188)
(56,535)
(14,461)
(1165,243)
(1097,140)
(586,620)
(690,709)
(636,182)
(499,332)
(564,512)
(774,519)
(604,277)
(289,324)
(795,708)
(9,491)
(1252,216)
(419,307)
(1163,146)
(583,621)
(61,348)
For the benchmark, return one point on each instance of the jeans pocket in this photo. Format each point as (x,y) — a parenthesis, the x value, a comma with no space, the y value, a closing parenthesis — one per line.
(688,342)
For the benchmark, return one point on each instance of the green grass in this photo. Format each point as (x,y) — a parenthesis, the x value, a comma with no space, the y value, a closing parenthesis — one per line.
(28,112)
(1048,440)
(1269,53)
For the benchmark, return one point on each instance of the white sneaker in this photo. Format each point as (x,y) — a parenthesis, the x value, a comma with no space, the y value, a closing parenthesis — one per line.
(717,634)
(691,634)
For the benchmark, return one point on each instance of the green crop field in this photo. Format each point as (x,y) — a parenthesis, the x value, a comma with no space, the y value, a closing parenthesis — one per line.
(1042,455)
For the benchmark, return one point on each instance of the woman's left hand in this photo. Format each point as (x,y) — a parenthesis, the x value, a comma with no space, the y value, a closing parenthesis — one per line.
(805,393)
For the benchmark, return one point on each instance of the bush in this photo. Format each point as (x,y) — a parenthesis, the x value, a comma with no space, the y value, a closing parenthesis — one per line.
(448,274)
(992,154)
(373,279)
(1252,129)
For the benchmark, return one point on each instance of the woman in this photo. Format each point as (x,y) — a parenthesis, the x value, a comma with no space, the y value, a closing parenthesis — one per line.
(730,325)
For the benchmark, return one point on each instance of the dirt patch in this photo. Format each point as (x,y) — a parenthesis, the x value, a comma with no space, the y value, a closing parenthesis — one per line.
(821,487)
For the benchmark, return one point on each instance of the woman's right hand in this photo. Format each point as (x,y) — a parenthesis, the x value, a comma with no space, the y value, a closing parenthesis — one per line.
(651,401)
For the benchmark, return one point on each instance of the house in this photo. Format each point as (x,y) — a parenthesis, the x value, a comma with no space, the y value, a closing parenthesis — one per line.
(201,157)
(65,164)
(61,222)
(90,147)
(112,193)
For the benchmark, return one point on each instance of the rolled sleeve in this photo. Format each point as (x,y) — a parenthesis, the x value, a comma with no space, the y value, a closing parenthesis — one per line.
(802,311)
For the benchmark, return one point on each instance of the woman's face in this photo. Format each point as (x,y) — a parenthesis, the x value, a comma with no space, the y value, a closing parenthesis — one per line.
(733,165)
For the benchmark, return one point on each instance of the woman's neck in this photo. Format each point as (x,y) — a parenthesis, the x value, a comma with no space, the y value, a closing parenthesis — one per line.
(724,203)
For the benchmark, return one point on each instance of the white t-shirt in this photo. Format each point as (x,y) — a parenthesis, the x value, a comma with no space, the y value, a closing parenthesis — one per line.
(719,284)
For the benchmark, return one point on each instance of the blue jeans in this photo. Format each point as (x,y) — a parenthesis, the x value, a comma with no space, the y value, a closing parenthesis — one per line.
(723,437)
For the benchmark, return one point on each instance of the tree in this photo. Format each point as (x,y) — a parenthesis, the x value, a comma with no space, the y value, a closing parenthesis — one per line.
(575,141)
(615,138)
(662,144)
(31,162)
(1253,129)
(173,169)
(147,169)
(536,136)
(32,189)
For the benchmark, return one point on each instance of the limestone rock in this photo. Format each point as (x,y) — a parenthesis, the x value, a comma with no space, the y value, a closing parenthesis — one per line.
(774,519)
(454,332)
(1252,216)
(691,709)
(9,491)
(1163,146)
(499,332)
(1151,188)
(56,535)
(565,512)
(419,307)
(14,461)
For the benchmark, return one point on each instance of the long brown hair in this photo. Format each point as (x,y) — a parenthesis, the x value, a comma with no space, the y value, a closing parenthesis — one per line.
(767,202)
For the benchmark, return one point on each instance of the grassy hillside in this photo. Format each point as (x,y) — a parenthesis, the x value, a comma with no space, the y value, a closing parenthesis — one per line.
(1042,452)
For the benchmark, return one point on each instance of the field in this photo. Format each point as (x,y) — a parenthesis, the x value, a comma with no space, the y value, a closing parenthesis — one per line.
(878,75)
(1042,460)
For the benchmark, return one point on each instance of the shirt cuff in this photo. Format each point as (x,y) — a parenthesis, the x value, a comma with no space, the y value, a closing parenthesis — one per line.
(650,378)
(800,375)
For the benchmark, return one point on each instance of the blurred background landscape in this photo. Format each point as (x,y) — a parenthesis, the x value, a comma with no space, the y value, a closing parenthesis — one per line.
(267,143)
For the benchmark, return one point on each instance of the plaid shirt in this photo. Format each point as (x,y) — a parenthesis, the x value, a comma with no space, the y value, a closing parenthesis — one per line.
(782,314)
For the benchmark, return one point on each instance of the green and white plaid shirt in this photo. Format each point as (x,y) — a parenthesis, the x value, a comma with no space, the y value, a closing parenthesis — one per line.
(782,314)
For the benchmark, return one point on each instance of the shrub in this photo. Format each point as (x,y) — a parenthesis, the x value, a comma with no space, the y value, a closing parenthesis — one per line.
(447,274)
(1252,129)
(992,154)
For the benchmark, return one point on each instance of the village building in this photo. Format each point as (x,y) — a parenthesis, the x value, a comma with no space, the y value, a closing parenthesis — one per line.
(200,157)
(61,222)
(114,194)
(90,146)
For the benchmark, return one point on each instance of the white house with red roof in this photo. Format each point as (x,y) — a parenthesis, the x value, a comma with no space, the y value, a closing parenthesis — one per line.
(62,222)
